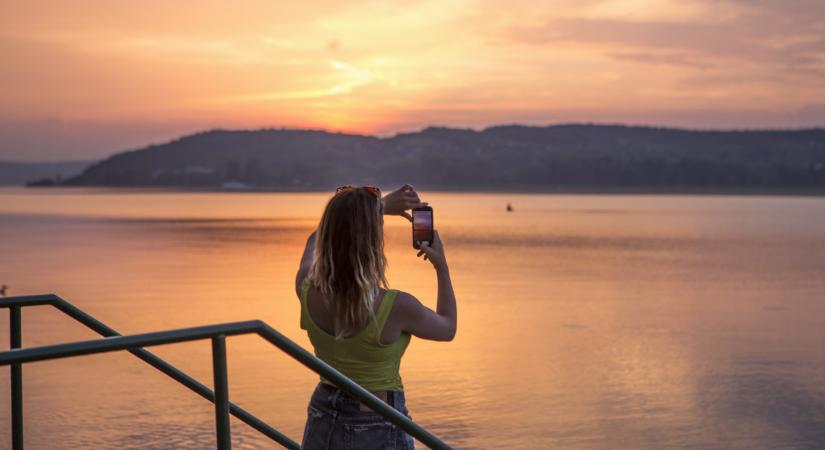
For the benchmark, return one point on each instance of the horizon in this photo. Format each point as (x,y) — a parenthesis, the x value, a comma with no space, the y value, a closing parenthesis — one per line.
(82,81)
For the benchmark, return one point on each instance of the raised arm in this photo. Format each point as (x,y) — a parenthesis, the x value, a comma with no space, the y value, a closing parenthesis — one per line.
(306,262)
(421,321)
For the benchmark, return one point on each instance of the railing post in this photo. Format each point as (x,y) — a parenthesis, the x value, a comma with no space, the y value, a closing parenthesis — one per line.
(221,392)
(16,340)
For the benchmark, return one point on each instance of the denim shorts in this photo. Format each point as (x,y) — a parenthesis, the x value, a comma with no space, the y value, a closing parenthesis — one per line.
(335,421)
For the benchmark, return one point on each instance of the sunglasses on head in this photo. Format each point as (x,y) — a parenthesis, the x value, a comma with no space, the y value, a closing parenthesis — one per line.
(368,187)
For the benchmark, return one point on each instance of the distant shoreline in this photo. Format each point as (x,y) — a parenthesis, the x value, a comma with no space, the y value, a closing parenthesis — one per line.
(573,159)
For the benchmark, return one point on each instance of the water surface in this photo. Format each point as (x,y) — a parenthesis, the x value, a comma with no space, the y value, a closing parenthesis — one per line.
(585,321)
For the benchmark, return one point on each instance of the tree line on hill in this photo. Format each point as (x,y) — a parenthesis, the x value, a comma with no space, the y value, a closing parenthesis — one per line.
(560,157)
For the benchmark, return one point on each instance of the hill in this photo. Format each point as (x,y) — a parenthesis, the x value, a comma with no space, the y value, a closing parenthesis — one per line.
(502,157)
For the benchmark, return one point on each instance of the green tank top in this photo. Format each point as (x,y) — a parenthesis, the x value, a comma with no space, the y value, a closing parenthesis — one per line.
(362,357)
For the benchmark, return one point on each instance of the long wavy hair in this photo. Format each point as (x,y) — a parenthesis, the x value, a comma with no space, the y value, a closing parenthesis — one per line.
(349,261)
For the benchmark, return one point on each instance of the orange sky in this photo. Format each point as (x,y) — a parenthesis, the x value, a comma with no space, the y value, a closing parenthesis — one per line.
(82,79)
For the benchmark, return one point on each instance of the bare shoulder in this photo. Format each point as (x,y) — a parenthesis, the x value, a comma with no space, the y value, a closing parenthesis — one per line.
(406,301)
(408,309)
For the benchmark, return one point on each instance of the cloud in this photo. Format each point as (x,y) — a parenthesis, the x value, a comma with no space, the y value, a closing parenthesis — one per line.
(373,65)
(208,51)
(343,80)
(729,41)
(780,44)
(666,58)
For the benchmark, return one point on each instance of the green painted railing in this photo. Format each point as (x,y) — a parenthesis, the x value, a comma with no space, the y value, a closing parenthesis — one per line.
(113,341)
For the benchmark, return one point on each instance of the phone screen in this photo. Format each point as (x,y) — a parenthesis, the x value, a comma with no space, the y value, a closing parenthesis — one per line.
(422,226)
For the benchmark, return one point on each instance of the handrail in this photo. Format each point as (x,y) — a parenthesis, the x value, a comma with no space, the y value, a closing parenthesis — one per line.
(216,333)
(15,303)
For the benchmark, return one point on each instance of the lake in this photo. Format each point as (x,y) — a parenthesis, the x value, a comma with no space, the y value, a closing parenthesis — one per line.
(585,321)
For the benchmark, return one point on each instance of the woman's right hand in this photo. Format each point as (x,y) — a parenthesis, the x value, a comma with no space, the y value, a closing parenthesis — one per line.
(435,252)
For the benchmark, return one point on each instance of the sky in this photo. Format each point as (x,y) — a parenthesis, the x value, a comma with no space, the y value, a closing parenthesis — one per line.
(86,79)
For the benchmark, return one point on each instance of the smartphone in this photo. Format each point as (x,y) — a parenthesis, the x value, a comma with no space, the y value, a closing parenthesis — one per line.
(422,226)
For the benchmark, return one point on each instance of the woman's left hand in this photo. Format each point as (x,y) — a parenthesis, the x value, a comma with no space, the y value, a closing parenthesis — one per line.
(397,202)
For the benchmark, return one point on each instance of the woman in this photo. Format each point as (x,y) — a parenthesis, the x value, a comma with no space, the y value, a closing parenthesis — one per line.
(359,326)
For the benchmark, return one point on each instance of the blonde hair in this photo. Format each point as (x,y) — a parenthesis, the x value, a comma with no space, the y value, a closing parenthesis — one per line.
(349,260)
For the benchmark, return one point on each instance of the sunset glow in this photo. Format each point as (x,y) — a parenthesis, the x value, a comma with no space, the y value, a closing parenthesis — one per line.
(85,79)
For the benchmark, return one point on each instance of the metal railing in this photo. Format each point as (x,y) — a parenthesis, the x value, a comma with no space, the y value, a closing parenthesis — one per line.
(113,341)
(15,304)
